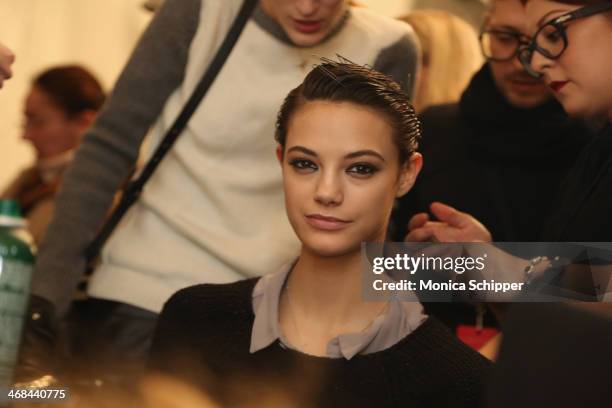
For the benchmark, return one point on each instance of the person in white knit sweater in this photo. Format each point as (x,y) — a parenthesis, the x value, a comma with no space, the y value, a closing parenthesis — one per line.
(213,212)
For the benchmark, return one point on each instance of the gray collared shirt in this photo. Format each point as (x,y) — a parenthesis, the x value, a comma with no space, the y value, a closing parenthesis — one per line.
(399,320)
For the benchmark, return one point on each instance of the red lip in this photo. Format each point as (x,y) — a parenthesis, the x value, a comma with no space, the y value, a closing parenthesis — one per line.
(326,223)
(307,26)
(557,85)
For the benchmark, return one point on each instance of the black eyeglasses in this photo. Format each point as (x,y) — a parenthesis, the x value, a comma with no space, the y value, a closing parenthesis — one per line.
(501,45)
(551,39)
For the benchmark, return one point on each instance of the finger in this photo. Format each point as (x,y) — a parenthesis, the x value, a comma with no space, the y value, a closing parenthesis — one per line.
(420,235)
(5,71)
(418,220)
(435,225)
(6,59)
(441,232)
(450,215)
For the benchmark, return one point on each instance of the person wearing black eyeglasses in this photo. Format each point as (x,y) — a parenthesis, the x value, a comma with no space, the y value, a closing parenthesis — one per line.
(501,38)
(551,39)
(571,51)
(499,154)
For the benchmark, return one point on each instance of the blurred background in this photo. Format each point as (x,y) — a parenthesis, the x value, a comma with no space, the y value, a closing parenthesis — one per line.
(100,34)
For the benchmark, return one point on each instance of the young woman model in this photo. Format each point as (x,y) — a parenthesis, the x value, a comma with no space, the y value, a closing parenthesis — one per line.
(346,145)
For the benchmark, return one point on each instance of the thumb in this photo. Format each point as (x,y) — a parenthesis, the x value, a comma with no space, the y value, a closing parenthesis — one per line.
(449,215)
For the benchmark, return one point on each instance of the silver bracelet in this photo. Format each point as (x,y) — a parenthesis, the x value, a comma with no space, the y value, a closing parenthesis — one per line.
(533,263)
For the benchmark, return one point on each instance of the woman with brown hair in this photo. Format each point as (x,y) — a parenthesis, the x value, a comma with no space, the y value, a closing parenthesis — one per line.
(347,140)
(60,106)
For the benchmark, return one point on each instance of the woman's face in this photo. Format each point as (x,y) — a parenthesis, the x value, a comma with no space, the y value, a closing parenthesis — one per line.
(341,175)
(580,78)
(306,22)
(47,127)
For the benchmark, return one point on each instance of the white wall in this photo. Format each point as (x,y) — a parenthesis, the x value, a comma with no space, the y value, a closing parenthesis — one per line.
(99,34)
(392,8)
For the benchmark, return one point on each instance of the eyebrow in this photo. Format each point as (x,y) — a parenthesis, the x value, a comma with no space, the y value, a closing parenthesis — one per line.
(302,150)
(495,27)
(545,16)
(352,155)
(365,153)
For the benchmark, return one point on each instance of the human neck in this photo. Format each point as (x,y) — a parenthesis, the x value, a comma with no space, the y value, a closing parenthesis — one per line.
(328,291)
(52,166)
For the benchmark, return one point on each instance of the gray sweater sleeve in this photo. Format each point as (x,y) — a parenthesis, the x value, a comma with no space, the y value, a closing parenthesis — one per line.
(400,60)
(110,148)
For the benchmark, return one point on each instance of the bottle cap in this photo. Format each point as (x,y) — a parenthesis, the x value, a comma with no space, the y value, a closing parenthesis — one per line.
(10,208)
(10,214)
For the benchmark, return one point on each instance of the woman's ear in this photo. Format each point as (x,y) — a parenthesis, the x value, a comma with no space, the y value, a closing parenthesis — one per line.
(408,173)
(85,119)
(279,153)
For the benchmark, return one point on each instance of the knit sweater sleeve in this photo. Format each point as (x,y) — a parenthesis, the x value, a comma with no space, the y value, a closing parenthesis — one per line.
(400,60)
(110,148)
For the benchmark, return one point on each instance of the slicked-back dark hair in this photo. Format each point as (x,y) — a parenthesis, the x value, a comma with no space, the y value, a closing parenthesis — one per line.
(345,81)
(72,88)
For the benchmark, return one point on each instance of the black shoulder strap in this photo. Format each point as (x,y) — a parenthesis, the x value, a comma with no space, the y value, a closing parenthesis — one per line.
(134,188)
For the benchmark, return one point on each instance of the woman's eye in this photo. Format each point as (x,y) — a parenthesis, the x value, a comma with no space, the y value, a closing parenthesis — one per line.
(303,165)
(552,34)
(362,169)
(505,38)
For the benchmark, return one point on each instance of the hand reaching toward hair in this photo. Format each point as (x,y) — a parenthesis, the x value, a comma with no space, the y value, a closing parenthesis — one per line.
(6,60)
(452,226)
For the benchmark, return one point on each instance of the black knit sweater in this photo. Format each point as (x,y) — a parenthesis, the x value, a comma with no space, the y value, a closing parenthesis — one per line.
(499,163)
(204,333)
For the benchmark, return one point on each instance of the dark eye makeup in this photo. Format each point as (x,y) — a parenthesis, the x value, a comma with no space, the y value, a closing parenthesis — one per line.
(302,164)
(361,170)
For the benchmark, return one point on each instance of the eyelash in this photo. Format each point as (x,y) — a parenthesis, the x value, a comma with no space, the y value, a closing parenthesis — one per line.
(361,170)
(302,164)
(365,169)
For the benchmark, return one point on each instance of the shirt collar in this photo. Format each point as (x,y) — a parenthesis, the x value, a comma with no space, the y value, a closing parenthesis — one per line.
(266,296)
(398,320)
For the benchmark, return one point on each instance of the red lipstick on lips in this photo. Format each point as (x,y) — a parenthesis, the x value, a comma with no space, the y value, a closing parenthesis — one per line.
(307,26)
(326,223)
(557,85)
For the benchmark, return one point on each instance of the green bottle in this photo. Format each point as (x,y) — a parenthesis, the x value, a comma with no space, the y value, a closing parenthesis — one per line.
(16,262)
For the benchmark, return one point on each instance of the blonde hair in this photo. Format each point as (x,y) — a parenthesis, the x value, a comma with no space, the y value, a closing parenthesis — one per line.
(451,56)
